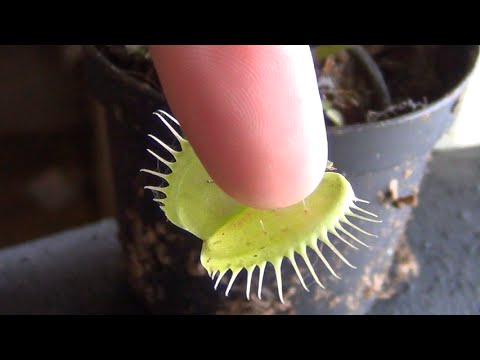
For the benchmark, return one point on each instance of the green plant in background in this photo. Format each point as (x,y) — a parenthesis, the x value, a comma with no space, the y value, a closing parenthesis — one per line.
(236,237)
(337,112)
(320,52)
(138,49)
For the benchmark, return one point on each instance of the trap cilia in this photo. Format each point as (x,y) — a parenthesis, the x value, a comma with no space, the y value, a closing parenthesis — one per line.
(236,237)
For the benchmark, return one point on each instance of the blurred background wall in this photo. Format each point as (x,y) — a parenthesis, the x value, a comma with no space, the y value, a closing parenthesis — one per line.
(53,159)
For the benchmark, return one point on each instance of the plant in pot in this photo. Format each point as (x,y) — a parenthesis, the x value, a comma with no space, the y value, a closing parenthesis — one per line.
(385,107)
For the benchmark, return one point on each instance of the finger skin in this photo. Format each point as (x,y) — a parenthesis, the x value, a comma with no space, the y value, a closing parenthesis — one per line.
(253,115)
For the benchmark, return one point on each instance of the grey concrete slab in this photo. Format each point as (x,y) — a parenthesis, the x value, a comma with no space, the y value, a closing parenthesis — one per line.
(74,272)
(445,237)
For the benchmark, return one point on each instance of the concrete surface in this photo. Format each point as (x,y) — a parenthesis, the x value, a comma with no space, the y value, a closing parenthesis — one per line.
(81,272)
(445,236)
(74,272)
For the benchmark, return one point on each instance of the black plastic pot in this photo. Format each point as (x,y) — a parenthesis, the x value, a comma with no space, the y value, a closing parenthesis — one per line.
(163,260)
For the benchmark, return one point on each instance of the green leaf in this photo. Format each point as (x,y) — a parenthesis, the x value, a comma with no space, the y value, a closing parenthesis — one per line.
(322,51)
(239,238)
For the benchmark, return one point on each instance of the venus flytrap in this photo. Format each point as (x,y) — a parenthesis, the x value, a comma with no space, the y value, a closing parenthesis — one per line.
(236,237)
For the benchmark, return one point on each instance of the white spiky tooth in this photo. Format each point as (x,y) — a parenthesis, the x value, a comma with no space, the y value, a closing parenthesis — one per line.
(363,210)
(232,280)
(174,132)
(334,232)
(168,148)
(304,255)
(212,275)
(155,173)
(169,116)
(219,278)
(320,255)
(278,274)
(346,221)
(338,253)
(297,270)
(159,158)
(304,205)
(262,225)
(362,201)
(342,229)
(351,213)
(260,279)
(249,281)
(159,202)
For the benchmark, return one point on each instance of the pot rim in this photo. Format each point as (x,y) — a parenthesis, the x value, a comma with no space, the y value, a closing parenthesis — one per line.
(147,89)
(411,116)
(142,87)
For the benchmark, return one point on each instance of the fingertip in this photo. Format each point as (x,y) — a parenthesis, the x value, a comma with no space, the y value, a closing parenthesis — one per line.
(253,114)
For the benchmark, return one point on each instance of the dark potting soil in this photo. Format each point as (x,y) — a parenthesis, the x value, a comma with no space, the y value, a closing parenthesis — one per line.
(415,76)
